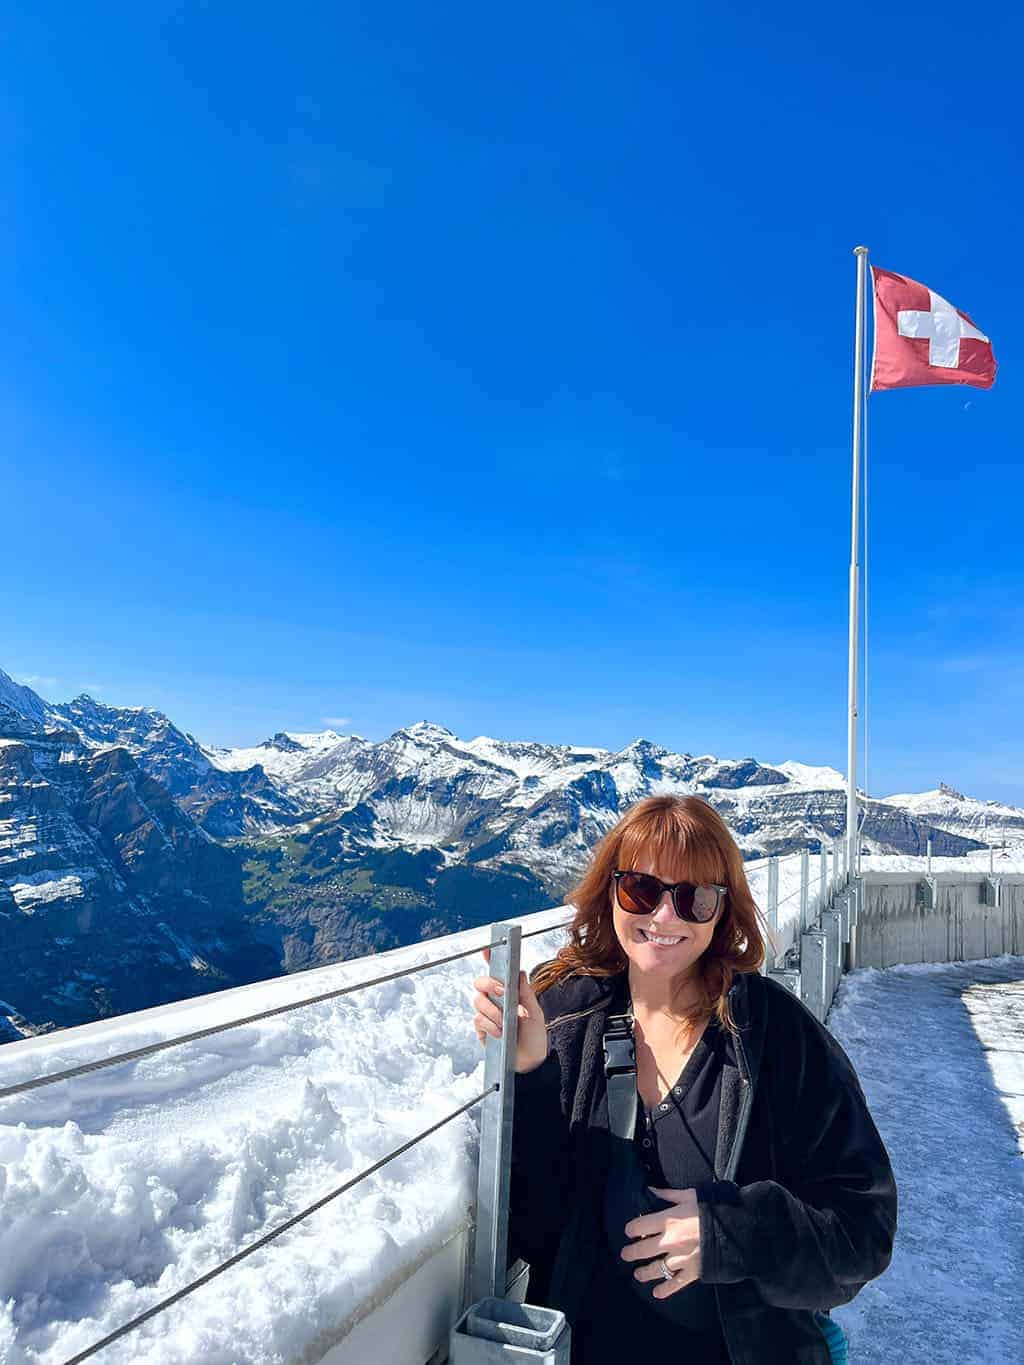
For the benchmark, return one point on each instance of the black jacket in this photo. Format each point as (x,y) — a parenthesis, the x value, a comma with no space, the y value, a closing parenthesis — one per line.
(802,1213)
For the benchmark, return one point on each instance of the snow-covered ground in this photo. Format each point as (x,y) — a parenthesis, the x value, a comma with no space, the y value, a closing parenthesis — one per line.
(939,1049)
(980,860)
(122,1186)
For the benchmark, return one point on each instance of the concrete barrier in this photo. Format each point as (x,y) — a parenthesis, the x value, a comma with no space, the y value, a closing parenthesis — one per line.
(950,923)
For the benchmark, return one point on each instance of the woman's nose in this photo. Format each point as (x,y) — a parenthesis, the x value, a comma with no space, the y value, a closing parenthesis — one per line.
(665,911)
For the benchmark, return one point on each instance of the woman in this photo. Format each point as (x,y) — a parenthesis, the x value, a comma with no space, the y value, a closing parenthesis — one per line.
(776,1192)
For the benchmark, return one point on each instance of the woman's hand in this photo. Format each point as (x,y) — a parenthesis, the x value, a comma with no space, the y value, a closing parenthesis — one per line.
(673,1233)
(532,1031)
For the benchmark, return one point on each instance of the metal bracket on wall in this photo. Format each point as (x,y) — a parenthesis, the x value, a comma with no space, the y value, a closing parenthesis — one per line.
(788,977)
(991,891)
(927,893)
(842,908)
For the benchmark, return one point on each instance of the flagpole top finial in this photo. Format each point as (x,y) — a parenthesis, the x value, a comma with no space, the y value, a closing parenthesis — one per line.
(860,251)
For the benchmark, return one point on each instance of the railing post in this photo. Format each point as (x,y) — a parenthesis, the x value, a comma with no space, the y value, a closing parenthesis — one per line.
(813,966)
(929,868)
(490,1242)
(822,873)
(773,908)
(837,853)
(805,886)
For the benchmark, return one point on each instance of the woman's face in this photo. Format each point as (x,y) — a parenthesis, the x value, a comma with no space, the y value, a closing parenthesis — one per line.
(676,962)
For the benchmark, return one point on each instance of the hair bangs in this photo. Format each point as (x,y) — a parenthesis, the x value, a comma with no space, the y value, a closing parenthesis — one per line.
(681,849)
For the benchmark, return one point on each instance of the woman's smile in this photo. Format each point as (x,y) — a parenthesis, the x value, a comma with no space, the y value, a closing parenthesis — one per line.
(662,940)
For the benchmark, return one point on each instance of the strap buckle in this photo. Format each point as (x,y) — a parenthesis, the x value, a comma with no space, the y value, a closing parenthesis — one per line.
(619,1046)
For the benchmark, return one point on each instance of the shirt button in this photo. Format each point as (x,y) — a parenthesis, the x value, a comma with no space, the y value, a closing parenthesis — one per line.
(663,1106)
(647,1142)
(677,1090)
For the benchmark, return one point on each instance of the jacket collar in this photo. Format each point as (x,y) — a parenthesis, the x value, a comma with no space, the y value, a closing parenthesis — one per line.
(600,996)
(746,1002)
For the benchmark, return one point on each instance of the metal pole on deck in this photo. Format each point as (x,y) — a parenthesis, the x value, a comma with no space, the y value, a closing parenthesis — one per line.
(773,911)
(490,1245)
(852,839)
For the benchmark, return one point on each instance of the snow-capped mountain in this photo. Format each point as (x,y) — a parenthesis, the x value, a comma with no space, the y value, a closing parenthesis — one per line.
(334,846)
(545,804)
(947,809)
(111,897)
(22,700)
(300,759)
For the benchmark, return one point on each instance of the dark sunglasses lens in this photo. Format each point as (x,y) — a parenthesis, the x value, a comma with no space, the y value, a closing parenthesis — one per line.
(638,893)
(703,901)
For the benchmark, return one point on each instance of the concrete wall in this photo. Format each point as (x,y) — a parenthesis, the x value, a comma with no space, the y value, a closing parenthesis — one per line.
(894,926)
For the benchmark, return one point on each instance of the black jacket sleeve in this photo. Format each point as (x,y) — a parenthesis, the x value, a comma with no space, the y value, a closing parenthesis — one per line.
(813,1239)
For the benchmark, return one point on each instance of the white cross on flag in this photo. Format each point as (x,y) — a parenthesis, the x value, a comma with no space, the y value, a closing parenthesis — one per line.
(920,338)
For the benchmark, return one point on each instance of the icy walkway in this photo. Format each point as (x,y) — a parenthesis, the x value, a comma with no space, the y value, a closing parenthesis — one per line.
(939,1049)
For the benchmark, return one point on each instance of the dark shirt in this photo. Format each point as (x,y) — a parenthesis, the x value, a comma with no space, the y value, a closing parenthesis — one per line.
(676,1144)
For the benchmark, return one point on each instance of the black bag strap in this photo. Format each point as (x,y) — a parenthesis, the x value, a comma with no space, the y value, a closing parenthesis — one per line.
(626,1193)
(620,1074)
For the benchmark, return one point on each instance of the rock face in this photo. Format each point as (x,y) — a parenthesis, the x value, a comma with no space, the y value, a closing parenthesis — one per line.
(138,866)
(111,898)
(225,803)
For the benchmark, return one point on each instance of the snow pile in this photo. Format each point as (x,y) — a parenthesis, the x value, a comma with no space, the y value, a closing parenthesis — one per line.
(124,1185)
(39,889)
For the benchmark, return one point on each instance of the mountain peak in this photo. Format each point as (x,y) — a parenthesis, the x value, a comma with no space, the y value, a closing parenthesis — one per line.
(426,729)
(947,790)
(644,746)
(22,699)
(283,741)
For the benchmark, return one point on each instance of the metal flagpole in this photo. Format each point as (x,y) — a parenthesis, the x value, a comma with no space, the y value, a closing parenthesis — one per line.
(852,833)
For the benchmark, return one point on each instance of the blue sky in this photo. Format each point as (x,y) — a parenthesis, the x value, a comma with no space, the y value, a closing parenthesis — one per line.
(371,363)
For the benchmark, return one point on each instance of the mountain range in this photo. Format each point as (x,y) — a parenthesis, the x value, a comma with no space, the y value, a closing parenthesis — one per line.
(138,865)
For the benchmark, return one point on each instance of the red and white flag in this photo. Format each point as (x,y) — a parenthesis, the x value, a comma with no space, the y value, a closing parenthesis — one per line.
(920,338)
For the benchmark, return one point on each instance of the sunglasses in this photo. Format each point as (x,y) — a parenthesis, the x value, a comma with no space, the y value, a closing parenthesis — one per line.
(640,892)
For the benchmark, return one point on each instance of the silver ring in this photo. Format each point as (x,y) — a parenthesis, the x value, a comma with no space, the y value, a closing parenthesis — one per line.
(666,1273)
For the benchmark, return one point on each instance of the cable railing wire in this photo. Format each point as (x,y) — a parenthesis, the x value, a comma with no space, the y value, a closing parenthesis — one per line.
(269,1236)
(150,1049)
(136,1054)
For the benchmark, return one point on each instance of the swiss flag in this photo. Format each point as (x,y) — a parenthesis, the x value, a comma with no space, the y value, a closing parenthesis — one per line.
(922,339)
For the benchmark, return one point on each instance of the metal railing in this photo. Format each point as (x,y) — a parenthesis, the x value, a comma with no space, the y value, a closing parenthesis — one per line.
(489,1265)
(500,943)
